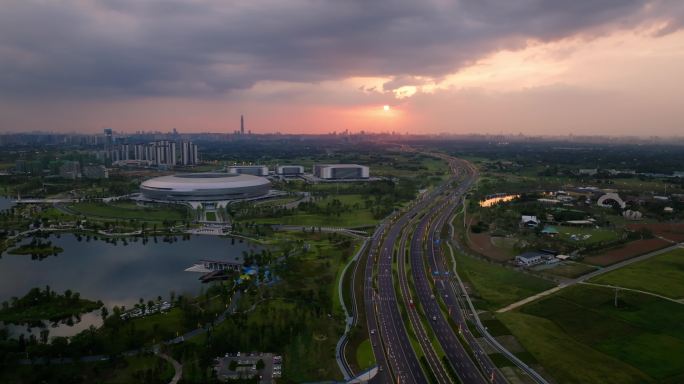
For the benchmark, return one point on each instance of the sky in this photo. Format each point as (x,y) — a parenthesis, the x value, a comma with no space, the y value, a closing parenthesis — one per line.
(537,67)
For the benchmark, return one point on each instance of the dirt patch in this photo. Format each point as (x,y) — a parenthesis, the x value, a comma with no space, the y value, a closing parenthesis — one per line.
(627,251)
(482,244)
(670,231)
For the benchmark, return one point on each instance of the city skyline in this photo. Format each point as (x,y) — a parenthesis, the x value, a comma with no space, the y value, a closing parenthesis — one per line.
(601,68)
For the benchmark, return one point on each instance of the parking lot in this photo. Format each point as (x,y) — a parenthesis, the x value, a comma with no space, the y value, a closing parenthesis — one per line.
(241,365)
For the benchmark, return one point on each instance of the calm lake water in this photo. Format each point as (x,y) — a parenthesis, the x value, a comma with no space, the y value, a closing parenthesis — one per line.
(116,274)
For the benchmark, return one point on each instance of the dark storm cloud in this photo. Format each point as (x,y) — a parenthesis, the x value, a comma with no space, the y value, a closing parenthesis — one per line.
(171,47)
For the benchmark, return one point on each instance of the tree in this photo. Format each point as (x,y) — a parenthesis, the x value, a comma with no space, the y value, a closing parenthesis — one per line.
(104,313)
(260,364)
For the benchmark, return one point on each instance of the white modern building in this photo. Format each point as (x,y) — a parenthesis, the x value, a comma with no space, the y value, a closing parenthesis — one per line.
(254,170)
(289,170)
(341,171)
(205,187)
(529,259)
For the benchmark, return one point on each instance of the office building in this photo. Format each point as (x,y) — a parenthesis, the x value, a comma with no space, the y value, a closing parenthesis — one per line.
(341,171)
(290,170)
(255,170)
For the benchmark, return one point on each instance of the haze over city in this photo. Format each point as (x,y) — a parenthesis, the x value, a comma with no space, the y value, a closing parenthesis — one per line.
(539,68)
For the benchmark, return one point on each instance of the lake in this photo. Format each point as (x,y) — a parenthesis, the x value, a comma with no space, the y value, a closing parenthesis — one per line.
(116,274)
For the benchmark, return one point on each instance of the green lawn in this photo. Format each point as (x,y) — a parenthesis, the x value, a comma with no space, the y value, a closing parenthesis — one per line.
(211,216)
(580,336)
(364,355)
(128,211)
(662,274)
(358,216)
(497,286)
(595,235)
(567,360)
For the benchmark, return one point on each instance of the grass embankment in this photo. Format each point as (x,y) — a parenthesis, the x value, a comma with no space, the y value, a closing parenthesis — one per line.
(662,274)
(364,355)
(579,335)
(495,285)
(130,211)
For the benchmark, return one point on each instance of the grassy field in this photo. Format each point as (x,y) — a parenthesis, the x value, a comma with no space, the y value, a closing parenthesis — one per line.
(580,336)
(130,211)
(570,269)
(364,355)
(497,286)
(594,235)
(568,360)
(662,274)
(211,216)
(357,217)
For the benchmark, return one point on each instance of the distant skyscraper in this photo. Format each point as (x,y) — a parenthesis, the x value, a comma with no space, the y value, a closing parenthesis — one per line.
(189,153)
(109,141)
(242,125)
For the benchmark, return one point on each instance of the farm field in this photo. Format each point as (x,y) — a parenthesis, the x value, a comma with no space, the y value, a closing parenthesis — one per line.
(580,336)
(627,251)
(496,248)
(495,285)
(570,269)
(662,274)
(670,231)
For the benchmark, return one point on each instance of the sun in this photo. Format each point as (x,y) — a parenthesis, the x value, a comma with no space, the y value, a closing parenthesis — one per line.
(386,108)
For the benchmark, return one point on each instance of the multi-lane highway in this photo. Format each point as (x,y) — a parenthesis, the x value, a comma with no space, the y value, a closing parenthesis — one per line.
(435,290)
(438,371)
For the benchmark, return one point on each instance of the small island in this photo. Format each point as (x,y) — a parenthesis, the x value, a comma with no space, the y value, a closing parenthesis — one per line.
(45,304)
(37,248)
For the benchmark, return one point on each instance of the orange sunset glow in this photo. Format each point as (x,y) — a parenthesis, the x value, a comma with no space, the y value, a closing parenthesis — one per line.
(613,73)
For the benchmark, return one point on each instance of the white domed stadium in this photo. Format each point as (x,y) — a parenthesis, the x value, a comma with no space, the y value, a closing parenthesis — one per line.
(205,187)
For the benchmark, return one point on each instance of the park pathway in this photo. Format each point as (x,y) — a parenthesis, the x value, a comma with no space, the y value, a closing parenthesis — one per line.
(177,367)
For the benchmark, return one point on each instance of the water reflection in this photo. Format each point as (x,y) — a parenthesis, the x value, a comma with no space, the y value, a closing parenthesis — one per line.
(117,274)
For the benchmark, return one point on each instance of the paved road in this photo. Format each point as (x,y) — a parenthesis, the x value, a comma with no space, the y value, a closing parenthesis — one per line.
(384,375)
(350,318)
(393,351)
(458,357)
(402,358)
(433,360)
(427,235)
